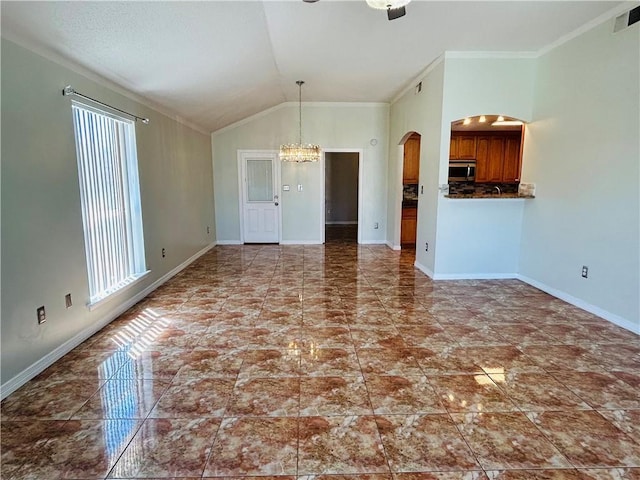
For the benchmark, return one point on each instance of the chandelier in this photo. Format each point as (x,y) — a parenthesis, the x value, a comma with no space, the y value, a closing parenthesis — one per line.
(298,152)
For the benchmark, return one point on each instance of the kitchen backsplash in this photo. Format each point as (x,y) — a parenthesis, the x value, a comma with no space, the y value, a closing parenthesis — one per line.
(467,188)
(410,192)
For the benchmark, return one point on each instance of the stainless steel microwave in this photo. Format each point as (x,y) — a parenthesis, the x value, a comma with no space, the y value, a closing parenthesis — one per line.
(462,171)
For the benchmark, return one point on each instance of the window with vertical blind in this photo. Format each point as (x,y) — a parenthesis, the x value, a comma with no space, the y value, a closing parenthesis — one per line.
(110,199)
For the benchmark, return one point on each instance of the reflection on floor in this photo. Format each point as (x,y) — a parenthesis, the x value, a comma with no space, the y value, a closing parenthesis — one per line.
(341,233)
(334,359)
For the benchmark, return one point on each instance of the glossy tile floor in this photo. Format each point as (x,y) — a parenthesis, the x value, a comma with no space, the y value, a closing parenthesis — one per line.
(334,360)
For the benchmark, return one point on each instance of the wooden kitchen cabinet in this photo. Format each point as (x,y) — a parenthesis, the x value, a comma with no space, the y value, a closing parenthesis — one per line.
(482,160)
(462,147)
(408,226)
(498,159)
(466,147)
(411,164)
(512,159)
(453,148)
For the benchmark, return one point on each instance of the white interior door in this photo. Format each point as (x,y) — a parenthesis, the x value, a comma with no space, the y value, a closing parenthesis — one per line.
(260,210)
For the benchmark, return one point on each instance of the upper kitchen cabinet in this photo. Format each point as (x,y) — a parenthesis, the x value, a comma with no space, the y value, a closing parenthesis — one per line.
(462,147)
(512,159)
(411,164)
(498,158)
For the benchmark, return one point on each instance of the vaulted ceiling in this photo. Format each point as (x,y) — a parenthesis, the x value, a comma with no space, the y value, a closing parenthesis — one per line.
(214,63)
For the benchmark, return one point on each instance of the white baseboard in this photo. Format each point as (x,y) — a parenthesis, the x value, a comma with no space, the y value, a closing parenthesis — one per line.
(372,242)
(49,359)
(423,269)
(300,242)
(392,246)
(229,242)
(342,223)
(577,302)
(474,276)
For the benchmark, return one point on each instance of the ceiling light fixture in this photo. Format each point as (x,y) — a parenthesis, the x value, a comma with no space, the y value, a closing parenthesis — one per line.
(394,8)
(467,121)
(500,118)
(297,152)
(506,123)
(482,119)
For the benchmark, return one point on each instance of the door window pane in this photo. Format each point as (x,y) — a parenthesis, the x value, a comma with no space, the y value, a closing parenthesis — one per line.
(259,180)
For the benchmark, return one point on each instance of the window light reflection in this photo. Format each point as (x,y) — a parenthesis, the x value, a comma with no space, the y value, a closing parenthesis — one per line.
(497,373)
(141,332)
(293,350)
(122,399)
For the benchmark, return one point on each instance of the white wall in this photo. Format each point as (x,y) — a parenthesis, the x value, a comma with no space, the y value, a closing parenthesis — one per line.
(582,152)
(333,126)
(419,113)
(481,238)
(341,187)
(478,238)
(42,234)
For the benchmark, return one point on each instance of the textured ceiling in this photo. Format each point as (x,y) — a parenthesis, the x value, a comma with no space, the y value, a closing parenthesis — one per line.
(214,63)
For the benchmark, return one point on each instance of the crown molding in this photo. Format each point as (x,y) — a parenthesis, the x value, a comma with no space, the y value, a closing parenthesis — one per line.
(452,54)
(100,80)
(250,118)
(437,61)
(599,20)
(282,105)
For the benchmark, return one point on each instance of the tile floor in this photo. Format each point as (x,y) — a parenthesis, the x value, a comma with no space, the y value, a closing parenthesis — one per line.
(334,360)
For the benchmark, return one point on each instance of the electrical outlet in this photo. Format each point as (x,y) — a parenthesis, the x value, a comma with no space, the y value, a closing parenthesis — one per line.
(67,300)
(164,253)
(375,226)
(426,246)
(585,271)
(41,315)
(208,230)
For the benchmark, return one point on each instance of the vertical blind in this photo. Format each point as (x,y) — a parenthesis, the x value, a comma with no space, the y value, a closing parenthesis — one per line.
(109,191)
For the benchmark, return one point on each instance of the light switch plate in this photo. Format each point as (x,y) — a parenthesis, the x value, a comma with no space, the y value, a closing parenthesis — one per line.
(286,188)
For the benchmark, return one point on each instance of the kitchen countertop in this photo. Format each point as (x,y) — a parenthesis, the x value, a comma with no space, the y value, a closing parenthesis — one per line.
(489,195)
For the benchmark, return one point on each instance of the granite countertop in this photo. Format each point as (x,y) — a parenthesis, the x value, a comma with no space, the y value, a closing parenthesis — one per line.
(488,195)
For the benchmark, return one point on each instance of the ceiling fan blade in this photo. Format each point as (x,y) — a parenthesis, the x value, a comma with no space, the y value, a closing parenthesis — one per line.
(393,13)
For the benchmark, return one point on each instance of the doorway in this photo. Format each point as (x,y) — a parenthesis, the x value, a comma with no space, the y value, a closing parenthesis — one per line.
(341,196)
(259,177)
(410,181)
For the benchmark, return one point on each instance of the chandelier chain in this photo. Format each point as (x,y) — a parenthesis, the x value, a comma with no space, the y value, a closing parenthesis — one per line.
(300,82)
